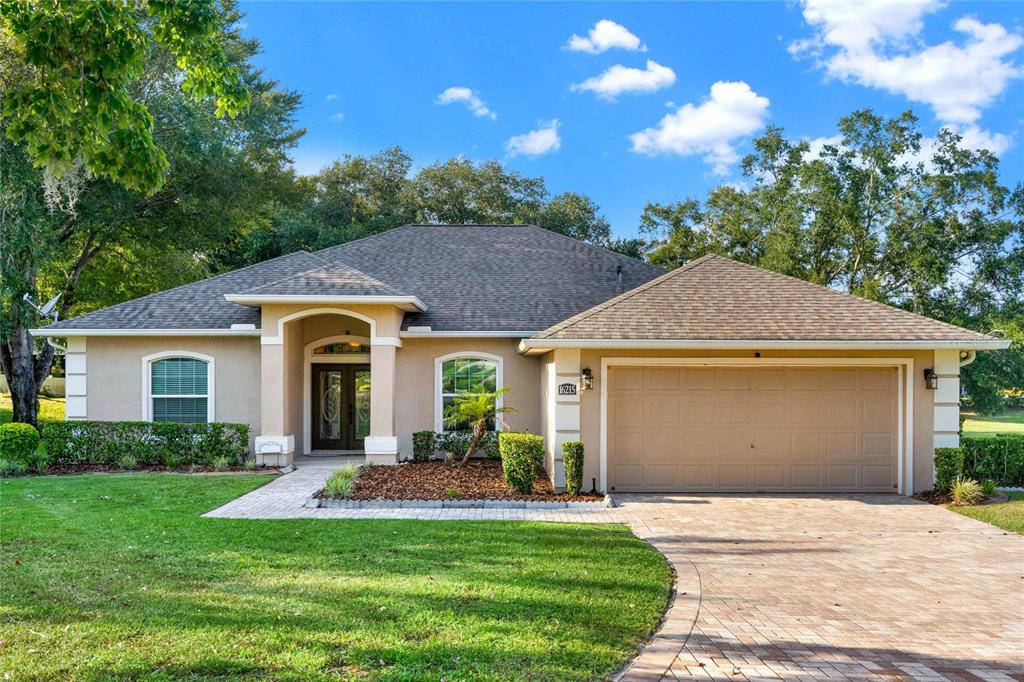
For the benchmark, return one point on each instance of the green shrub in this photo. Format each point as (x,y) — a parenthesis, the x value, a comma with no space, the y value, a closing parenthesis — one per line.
(12,467)
(452,493)
(572,459)
(455,443)
(988,487)
(522,459)
(20,443)
(222,463)
(249,464)
(341,482)
(422,446)
(170,444)
(126,460)
(965,491)
(949,463)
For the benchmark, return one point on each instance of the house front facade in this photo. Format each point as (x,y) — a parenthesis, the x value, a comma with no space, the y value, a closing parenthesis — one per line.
(715,377)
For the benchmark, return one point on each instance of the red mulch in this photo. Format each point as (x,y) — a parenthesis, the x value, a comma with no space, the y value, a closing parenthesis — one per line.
(74,469)
(475,480)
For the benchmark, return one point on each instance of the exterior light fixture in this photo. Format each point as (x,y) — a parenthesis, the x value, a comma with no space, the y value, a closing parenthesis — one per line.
(587,379)
(931,379)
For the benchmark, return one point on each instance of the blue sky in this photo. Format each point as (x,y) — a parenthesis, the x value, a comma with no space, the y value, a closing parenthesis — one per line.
(629,112)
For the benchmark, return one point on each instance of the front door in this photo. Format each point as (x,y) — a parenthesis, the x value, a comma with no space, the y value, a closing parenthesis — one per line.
(341,406)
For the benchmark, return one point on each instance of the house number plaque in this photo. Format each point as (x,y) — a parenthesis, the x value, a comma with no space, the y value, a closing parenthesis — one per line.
(566,389)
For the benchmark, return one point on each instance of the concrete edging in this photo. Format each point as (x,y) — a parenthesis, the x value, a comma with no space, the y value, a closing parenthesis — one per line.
(317,503)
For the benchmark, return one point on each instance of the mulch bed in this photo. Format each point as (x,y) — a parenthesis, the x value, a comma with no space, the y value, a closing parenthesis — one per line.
(475,480)
(935,497)
(74,469)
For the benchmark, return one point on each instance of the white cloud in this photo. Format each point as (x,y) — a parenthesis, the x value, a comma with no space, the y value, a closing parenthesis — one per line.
(337,117)
(623,79)
(331,97)
(605,35)
(470,98)
(878,44)
(731,111)
(542,140)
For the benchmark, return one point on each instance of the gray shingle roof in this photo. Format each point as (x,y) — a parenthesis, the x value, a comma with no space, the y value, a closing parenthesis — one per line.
(471,277)
(326,280)
(715,298)
(492,277)
(200,305)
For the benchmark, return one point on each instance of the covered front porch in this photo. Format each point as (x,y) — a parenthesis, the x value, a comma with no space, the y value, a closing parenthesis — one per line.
(327,384)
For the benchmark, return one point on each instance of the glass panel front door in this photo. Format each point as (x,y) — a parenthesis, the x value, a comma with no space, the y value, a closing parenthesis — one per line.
(341,406)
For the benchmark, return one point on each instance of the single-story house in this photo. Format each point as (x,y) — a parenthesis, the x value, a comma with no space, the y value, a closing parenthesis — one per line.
(716,376)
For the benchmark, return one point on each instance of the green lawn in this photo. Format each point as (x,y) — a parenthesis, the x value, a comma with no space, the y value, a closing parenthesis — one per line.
(118,577)
(1010,421)
(1009,515)
(50,409)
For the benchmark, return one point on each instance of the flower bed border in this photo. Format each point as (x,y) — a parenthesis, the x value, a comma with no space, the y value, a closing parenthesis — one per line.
(314,502)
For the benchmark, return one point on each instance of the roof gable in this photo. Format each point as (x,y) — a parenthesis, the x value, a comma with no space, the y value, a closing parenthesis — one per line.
(717,299)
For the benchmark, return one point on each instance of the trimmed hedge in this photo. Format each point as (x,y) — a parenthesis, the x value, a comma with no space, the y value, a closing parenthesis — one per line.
(20,443)
(457,442)
(422,446)
(572,459)
(998,458)
(148,443)
(522,459)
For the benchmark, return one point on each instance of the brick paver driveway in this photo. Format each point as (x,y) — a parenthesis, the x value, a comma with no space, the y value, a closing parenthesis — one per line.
(866,587)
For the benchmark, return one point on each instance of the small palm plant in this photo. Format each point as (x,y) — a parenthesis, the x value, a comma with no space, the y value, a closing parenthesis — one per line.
(476,410)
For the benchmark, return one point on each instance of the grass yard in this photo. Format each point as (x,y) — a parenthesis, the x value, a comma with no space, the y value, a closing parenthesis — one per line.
(118,577)
(1009,515)
(50,409)
(1010,421)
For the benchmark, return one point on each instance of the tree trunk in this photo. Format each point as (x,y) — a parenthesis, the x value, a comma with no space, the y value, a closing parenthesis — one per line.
(24,367)
(478,433)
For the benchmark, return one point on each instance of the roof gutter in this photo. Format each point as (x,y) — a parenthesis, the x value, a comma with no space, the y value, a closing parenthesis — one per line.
(527,346)
(409,304)
(66,333)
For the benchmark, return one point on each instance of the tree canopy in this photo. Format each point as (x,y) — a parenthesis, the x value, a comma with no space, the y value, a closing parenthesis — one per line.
(885,214)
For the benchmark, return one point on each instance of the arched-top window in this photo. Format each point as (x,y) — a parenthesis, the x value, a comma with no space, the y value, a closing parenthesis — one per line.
(352,347)
(465,374)
(180,389)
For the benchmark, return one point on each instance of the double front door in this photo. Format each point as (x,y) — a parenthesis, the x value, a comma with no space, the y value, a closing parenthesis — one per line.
(341,406)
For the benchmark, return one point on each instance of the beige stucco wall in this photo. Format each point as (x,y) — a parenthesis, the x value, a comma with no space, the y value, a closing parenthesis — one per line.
(923,415)
(115,377)
(416,403)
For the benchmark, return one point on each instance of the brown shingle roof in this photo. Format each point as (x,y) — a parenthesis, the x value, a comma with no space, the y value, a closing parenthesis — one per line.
(715,298)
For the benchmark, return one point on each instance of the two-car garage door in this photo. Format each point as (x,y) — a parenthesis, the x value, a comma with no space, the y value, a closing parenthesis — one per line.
(741,429)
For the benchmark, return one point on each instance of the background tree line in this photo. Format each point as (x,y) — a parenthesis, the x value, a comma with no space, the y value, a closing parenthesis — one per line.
(884,213)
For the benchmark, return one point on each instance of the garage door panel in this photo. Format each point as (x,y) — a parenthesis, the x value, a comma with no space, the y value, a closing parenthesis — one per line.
(770,477)
(662,408)
(698,411)
(747,429)
(661,378)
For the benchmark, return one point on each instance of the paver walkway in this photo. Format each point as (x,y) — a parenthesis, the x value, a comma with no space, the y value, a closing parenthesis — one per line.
(800,587)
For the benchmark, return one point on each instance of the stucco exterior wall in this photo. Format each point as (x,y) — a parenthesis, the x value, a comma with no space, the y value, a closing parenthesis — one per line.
(923,407)
(417,395)
(115,378)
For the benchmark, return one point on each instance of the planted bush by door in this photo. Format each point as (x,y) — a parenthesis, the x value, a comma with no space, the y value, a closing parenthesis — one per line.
(999,458)
(145,443)
(522,459)
(572,459)
(423,446)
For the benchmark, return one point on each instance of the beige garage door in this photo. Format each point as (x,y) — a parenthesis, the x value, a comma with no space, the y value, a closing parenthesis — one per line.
(732,429)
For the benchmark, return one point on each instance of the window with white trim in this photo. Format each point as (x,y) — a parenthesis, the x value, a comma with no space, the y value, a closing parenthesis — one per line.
(466,376)
(179,390)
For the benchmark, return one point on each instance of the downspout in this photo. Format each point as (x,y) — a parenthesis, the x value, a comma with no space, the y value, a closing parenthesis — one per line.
(967,357)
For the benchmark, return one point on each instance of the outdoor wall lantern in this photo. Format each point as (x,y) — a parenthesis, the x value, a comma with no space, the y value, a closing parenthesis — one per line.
(931,379)
(587,379)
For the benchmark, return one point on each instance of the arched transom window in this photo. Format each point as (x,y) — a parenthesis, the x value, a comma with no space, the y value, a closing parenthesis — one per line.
(466,375)
(179,390)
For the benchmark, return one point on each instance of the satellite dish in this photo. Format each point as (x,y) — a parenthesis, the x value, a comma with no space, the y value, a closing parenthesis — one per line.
(50,305)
